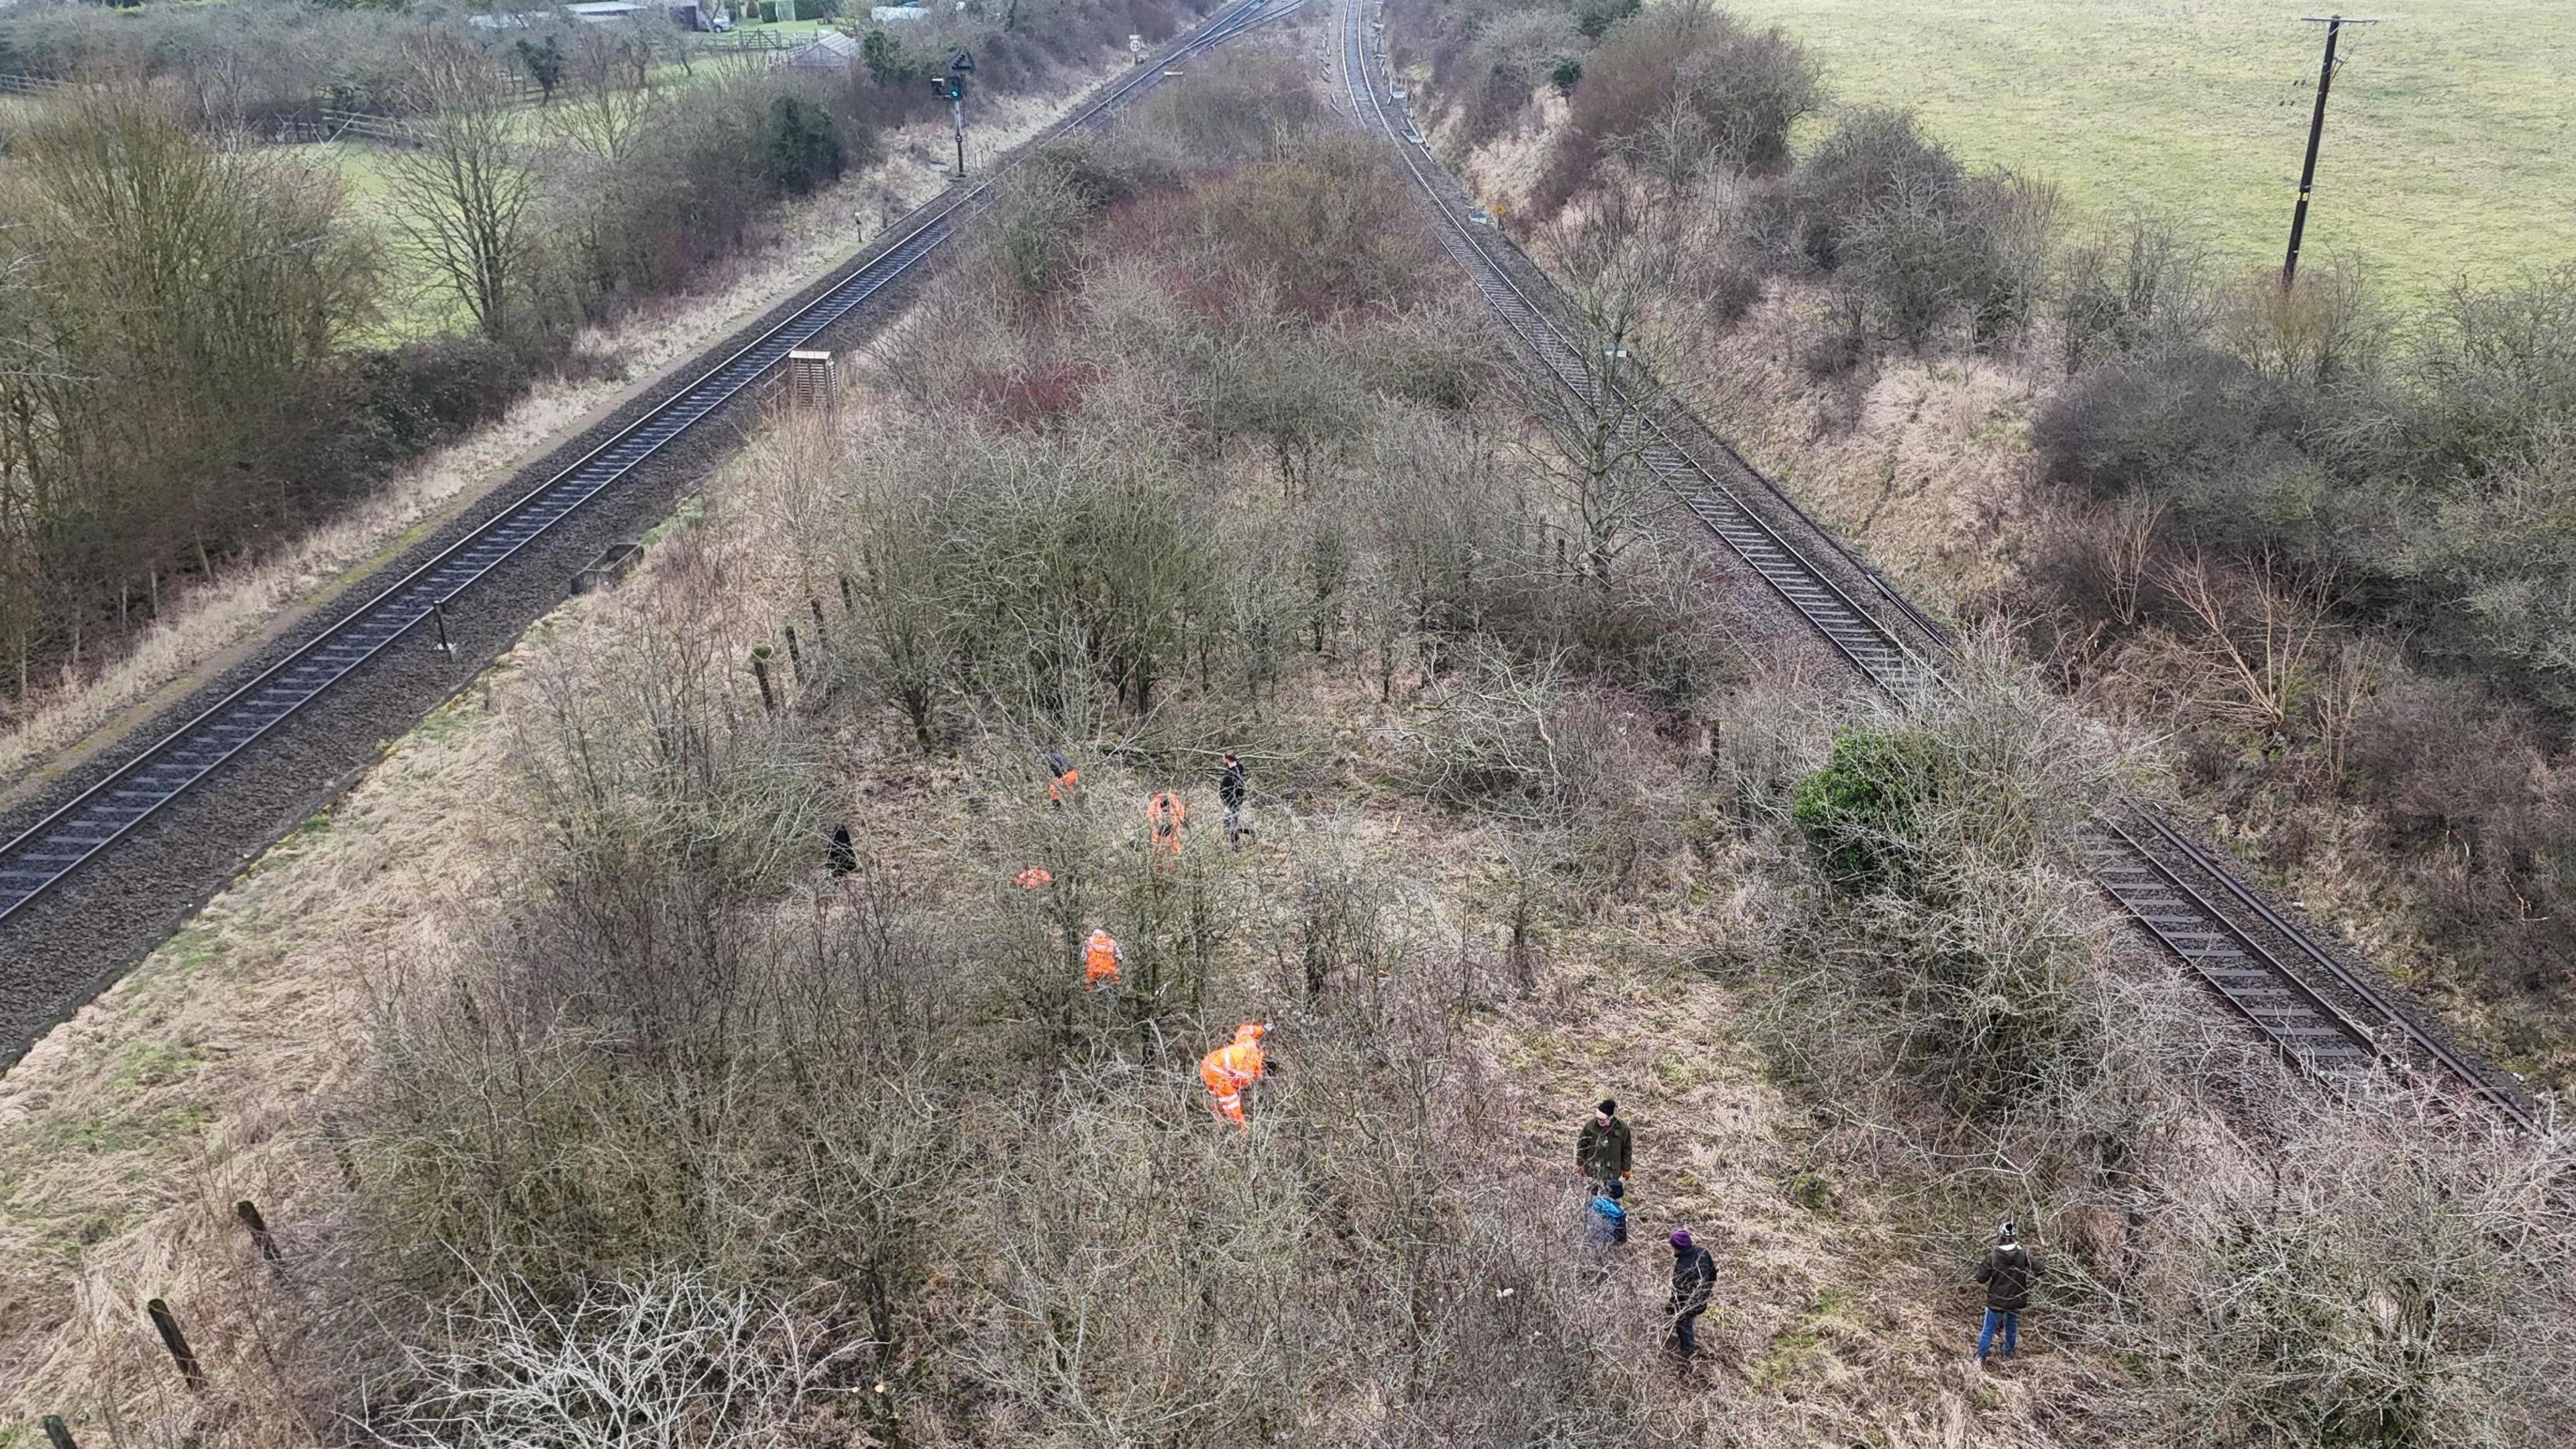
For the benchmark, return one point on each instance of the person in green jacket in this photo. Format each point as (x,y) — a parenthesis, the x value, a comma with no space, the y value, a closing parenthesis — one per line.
(1602,1149)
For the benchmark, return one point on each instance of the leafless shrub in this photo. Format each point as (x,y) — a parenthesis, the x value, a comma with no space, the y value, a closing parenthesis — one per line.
(671,809)
(2140,288)
(2326,329)
(1497,739)
(1524,743)
(2254,633)
(671,1361)
(1030,236)
(2370,1277)
(1688,90)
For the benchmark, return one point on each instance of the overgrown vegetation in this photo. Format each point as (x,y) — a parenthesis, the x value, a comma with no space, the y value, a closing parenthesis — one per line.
(715,1134)
(2340,537)
(2235,1258)
(1929,963)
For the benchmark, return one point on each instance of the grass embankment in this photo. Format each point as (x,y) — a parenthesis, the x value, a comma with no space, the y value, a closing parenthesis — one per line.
(2447,143)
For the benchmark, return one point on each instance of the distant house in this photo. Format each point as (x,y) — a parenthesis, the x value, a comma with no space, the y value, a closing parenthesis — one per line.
(895,14)
(601,12)
(832,50)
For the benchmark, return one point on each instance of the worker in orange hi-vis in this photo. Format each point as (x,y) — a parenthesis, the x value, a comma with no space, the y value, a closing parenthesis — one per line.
(1101,957)
(1165,814)
(1033,877)
(1230,1069)
(1062,778)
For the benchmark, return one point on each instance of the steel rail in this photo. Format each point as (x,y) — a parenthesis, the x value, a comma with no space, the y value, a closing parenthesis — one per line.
(109,811)
(2317,1035)
(2457,1063)
(1868,645)
(2321,1035)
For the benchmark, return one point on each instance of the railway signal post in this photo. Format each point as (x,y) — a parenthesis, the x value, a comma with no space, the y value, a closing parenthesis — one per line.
(952,89)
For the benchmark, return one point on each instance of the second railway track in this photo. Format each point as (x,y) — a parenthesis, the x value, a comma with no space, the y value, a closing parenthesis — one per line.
(2327,1015)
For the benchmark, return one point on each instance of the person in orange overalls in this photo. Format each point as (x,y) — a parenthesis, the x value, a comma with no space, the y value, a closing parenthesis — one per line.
(1062,777)
(1033,877)
(1165,814)
(1231,1068)
(1101,958)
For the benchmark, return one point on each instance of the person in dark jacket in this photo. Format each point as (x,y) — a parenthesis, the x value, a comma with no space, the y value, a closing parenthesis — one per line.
(1694,1280)
(843,856)
(1602,1149)
(2007,1271)
(1230,788)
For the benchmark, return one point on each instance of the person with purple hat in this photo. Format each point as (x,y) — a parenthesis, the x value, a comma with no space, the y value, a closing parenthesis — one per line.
(1694,1280)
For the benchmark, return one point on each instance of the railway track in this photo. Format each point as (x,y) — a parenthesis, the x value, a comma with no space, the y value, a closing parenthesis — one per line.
(2326,1015)
(107,816)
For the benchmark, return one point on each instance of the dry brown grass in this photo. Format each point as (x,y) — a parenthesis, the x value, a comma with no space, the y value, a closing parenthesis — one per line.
(206,1077)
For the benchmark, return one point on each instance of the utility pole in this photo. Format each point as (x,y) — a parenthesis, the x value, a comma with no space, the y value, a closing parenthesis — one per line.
(2334,25)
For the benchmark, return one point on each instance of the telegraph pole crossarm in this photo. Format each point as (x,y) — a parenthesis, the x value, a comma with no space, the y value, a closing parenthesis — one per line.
(2334,25)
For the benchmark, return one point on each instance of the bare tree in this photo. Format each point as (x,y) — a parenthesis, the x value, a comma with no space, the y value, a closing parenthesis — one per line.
(1596,403)
(2254,634)
(610,99)
(462,199)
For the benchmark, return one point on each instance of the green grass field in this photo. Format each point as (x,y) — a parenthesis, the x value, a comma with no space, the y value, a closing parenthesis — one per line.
(2450,145)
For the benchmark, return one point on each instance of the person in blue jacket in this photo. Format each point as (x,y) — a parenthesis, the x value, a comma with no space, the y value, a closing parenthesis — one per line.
(1606,1222)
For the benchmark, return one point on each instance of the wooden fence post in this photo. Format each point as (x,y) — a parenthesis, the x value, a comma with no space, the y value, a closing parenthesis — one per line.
(177,1343)
(248,1212)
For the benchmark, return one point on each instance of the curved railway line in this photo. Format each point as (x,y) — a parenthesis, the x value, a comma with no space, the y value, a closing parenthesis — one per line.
(2324,1013)
(108,819)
